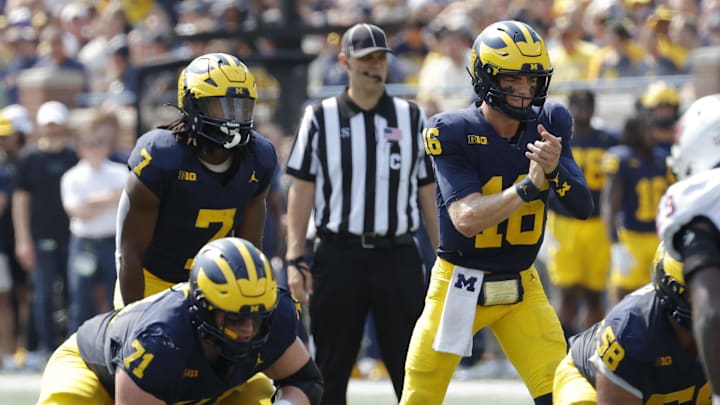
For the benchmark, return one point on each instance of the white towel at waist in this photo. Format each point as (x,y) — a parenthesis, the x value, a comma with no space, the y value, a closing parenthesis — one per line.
(455,333)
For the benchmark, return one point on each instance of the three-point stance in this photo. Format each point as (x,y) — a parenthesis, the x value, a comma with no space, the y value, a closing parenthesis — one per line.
(211,340)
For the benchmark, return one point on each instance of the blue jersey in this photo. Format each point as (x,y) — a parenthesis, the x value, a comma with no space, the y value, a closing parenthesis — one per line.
(588,152)
(157,346)
(636,347)
(196,204)
(643,182)
(469,157)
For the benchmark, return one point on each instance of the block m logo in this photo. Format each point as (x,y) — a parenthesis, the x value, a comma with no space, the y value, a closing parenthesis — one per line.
(465,283)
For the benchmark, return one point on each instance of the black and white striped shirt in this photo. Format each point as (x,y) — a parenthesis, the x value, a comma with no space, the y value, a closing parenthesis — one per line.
(366,166)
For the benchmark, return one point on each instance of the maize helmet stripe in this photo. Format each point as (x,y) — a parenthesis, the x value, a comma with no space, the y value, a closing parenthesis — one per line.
(510,48)
(231,276)
(213,72)
(253,286)
(259,275)
(660,93)
(525,39)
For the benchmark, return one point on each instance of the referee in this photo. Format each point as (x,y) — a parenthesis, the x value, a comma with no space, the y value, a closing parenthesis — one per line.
(358,161)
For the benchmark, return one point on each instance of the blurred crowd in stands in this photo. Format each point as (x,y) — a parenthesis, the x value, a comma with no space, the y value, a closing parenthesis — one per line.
(106,41)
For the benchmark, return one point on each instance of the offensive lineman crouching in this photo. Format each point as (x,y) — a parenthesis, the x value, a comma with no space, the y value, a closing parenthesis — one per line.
(206,341)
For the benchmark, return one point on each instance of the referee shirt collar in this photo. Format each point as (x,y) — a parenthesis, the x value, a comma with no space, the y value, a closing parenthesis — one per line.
(348,108)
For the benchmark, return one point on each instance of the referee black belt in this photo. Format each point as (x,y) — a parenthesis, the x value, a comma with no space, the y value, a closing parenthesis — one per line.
(367,240)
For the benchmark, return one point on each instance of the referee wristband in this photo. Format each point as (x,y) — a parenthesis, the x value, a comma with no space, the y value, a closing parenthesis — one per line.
(298,262)
(301,265)
(527,190)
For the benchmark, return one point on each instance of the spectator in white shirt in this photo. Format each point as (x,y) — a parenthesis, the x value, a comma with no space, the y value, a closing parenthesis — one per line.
(90,194)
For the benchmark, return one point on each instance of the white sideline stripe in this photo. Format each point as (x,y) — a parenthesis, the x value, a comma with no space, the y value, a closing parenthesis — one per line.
(504,388)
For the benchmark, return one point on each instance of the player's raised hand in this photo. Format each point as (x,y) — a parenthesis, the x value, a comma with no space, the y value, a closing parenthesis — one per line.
(545,152)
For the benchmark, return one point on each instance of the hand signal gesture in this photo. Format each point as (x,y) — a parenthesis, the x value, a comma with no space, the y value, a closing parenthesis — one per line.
(545,152)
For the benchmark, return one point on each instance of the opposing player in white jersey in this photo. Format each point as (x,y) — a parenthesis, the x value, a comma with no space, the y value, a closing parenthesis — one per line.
(688,221)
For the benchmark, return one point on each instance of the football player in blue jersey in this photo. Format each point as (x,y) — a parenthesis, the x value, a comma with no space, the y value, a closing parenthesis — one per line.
(637,176)
(214,339)
(661,101)
(643,352)
(496,163)
(688,222)
(579,250)
(200,178)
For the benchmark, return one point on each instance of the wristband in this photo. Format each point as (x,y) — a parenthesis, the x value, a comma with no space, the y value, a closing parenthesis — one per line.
(298,262)
(554,177)
(527,190)
(301,265)
(553,174)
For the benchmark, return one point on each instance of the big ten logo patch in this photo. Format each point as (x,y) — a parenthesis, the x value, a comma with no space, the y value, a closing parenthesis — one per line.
(477,140)
(187,176)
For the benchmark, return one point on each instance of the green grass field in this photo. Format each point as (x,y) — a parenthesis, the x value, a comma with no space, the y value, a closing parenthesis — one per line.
(22,389)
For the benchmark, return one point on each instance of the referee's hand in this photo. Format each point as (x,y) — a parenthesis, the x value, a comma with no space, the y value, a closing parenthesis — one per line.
(300,281)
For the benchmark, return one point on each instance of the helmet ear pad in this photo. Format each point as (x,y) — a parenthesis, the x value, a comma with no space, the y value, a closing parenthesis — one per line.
(673,305)
(671,290)
(483,80)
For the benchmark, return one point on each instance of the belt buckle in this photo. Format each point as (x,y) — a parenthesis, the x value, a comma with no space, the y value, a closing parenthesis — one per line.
(367,240)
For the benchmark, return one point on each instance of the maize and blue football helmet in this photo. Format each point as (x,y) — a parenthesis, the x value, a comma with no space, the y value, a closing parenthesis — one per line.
(217,94)
(659,93)
(658,97)
(670,287)
(232,276)
(510,48)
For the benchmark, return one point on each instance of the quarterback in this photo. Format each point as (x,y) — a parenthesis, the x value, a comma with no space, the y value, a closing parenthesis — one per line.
(210,340)
(496,163)
(200,178)
(688,222)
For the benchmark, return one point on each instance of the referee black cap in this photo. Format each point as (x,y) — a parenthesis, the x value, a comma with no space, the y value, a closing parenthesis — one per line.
(363,39)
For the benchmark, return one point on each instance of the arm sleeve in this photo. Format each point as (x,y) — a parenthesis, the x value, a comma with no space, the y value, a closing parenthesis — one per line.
(568,184)
(153,362)
(153,163)
(425,168)
(301,161)
(268,158)
(451,163)
(70,197)
(283,330)
(567,181)
(697,196)
(619,353)
(22,174)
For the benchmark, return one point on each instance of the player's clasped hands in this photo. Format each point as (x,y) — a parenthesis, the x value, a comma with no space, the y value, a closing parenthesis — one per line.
(545,152)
